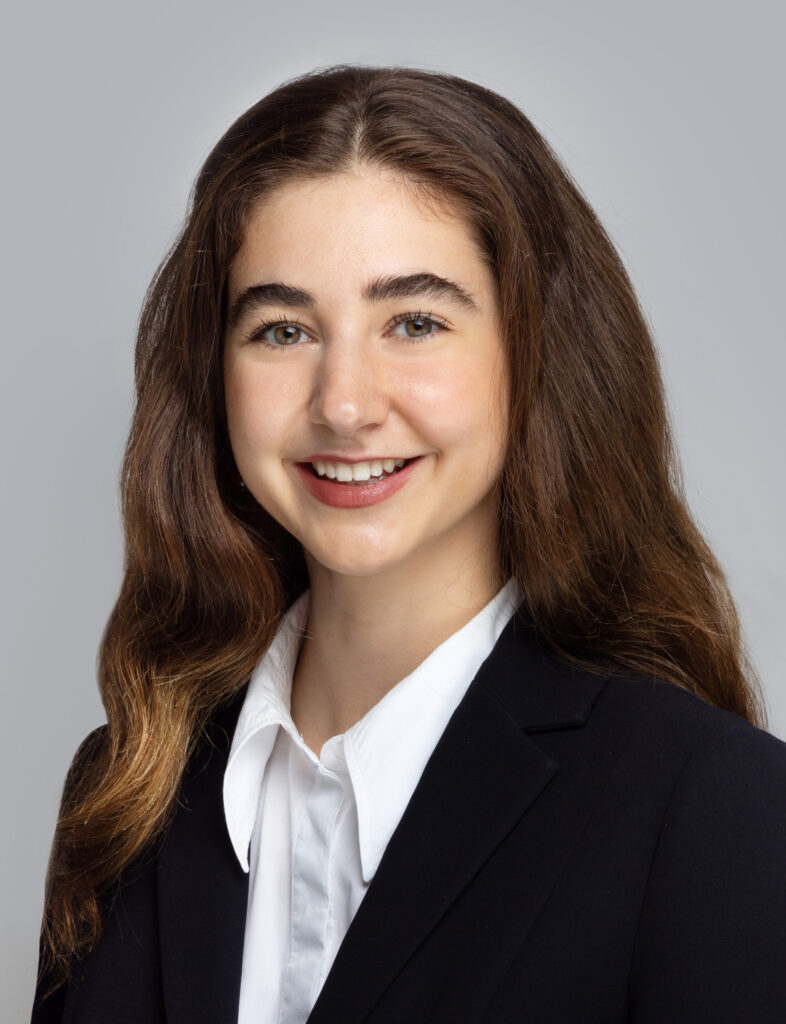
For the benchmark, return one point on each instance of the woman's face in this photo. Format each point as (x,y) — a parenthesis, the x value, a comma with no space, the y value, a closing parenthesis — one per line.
(364,330)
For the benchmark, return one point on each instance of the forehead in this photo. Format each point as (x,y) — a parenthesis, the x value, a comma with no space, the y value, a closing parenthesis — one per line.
(355,225)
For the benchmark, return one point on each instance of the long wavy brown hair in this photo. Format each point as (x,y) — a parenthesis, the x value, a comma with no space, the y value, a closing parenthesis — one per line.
(592,518)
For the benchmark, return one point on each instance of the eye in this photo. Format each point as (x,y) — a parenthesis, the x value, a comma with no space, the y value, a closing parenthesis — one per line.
(418,325)
(290,334)
(280,334)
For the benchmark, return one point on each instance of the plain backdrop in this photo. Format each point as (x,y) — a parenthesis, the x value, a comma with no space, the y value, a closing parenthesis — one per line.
(670,117)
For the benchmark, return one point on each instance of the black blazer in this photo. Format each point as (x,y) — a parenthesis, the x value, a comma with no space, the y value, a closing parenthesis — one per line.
(578,850)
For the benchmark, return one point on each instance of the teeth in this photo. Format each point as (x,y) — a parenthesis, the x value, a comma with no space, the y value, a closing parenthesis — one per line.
(346,472)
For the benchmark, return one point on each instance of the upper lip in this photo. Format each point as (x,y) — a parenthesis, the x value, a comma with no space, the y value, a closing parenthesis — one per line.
(351,459)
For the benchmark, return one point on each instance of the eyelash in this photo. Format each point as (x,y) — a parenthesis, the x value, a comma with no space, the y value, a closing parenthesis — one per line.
(257,334)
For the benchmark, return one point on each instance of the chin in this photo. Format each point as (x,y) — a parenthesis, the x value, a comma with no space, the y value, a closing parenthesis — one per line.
(356,566)
(353,559)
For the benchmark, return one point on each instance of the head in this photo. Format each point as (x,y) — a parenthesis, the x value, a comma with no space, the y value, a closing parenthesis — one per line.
(581,411)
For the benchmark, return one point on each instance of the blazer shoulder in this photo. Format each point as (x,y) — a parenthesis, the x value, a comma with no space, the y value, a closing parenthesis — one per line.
(90,746)
(712,929)
(87,752)
(49,1001)
(679,722)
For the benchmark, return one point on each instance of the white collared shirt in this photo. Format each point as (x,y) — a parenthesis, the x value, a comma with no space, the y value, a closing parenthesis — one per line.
(311,830)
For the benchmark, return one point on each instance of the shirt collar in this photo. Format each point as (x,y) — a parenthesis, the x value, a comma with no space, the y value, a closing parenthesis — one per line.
(386,750)
(265,707)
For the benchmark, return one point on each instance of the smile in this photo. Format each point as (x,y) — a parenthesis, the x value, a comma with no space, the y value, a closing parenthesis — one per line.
(358,472)
(357,484)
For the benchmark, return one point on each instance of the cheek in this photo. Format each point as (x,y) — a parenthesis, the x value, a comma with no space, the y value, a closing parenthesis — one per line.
(463,407)
(259,406)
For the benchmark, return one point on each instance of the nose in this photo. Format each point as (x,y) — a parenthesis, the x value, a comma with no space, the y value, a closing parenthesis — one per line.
(350,391)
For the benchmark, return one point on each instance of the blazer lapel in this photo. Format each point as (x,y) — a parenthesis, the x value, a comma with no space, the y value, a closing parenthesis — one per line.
(482,777)
(202,891)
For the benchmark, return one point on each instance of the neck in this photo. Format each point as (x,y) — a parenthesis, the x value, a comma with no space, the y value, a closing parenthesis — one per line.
(365,634)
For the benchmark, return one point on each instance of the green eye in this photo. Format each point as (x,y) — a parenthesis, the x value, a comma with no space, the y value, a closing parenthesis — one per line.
(417,326)
(283,334)
(280,334)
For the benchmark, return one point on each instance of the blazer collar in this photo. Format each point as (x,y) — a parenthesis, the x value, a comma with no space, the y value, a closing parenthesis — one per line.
(539,692)
(483,775)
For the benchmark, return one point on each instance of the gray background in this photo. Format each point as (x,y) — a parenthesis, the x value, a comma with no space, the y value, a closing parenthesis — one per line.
(669,115)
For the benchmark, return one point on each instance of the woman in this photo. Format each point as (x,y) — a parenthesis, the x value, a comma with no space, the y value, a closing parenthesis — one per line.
(425,696)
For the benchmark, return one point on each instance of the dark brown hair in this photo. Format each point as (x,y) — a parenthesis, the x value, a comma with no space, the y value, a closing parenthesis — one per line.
(592,518)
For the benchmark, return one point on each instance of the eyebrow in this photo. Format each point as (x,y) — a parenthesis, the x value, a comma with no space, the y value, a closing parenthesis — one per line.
(401,286)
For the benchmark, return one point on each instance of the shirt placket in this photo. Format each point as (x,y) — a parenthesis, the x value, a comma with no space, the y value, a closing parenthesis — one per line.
(311,895)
